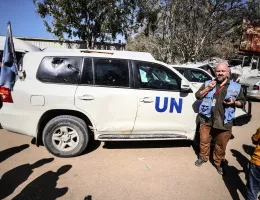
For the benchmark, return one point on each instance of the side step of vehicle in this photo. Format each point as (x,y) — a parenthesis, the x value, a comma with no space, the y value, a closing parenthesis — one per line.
(140,137)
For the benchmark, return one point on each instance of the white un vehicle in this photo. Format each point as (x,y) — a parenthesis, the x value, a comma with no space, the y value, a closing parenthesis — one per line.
(116,96)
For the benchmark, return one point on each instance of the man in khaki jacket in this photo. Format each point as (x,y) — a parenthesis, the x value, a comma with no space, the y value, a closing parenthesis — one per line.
(253,184)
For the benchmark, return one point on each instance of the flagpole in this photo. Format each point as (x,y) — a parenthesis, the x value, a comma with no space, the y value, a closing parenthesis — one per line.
(12,46)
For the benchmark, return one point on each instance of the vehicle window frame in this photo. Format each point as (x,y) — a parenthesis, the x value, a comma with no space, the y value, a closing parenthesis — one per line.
(82,70)
(186,73)
(180,68)
(109,86)
(212,71)
(137,79)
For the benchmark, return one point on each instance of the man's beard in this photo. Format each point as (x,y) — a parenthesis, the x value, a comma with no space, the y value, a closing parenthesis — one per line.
(220,79)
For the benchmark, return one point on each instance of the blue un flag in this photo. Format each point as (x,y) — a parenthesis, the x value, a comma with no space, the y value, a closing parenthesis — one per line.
(8,70)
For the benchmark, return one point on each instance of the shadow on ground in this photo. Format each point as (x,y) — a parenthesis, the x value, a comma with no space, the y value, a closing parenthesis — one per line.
(92,146)
(89,197)
(232,179)
(253,100)
(231,176)
(7,153)
(146,144)
(44,187)
(248,149)
(16,176)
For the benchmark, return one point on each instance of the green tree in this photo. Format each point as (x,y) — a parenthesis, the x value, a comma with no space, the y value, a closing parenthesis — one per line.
(88,20)
(188,28)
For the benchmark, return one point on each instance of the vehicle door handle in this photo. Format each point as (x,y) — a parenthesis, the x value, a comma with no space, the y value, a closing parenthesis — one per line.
(146,100)
(86,97)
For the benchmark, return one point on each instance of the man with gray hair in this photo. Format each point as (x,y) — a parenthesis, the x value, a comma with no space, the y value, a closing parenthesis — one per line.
(219,97)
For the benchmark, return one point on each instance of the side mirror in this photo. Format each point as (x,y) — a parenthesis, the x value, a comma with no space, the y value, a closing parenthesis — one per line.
(185,86)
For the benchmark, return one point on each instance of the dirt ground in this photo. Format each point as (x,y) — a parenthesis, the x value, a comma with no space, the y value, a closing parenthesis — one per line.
(123,170)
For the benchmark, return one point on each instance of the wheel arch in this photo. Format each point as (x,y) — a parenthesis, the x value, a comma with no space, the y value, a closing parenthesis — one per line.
(50,114)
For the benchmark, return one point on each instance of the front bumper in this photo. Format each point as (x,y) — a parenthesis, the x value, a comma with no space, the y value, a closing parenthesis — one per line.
(254,94)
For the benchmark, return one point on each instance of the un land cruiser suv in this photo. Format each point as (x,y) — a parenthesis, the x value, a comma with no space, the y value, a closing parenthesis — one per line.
(68,96)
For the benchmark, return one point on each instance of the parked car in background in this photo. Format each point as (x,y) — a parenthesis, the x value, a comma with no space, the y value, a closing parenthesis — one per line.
(252,83)
(194,73)
(207,67)
(239,60)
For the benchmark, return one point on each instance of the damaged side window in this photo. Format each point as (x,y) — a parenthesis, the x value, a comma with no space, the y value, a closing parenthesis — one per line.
(111,72)
(60,70)
(153,76)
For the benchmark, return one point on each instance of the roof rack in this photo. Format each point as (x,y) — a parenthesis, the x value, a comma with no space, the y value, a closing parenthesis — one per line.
(96,51)
(118,53)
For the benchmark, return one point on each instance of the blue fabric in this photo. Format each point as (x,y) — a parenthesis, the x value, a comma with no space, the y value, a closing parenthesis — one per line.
(206,105)
(253,183)
(232,92)
(8,70)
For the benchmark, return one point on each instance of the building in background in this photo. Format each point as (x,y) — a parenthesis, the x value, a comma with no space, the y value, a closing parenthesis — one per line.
(43,43)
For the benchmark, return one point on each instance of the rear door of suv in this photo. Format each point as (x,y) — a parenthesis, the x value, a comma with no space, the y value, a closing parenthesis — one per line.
(106,95)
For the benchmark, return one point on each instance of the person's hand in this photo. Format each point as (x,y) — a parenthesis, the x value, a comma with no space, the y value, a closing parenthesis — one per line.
(229,103)
(212,84)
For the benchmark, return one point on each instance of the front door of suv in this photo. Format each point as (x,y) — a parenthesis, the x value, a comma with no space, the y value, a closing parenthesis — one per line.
(162,107)
(105,95)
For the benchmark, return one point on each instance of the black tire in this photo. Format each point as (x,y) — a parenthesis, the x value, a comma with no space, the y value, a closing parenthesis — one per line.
(69,121)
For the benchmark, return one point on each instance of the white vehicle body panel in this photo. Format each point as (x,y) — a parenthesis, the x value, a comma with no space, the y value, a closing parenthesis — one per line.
(168,121)
(113,110)
(19,120)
